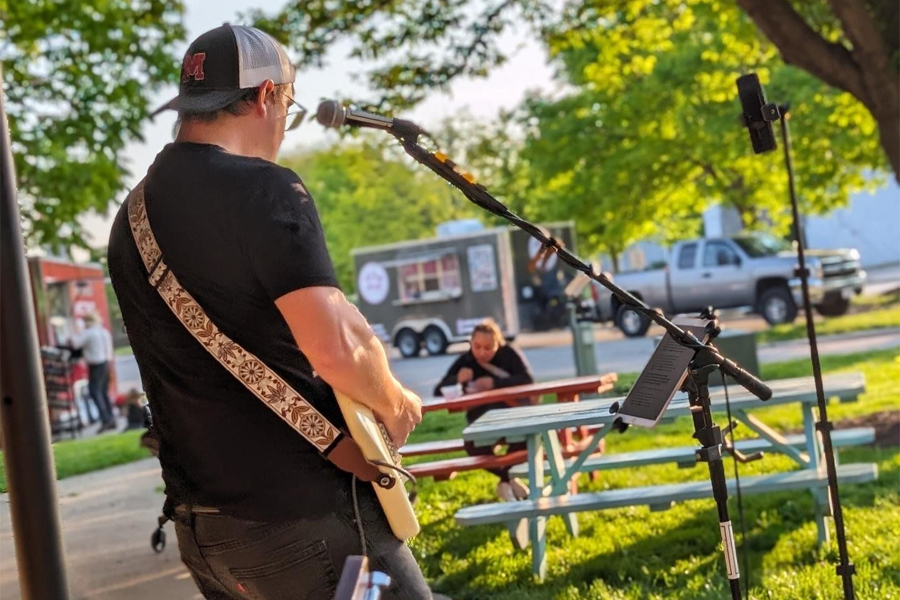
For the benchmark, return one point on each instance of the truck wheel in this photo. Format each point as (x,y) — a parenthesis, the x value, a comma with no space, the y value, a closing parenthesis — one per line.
(435,340)
(777,305)
(409,343)
(632,324)
(834,305)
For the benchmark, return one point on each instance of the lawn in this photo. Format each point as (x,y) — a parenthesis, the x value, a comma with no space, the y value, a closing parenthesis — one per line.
(877,315)
(632,553)
(74,457)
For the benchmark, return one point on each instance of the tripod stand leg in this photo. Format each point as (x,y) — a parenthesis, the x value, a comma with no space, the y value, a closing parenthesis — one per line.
(720,493)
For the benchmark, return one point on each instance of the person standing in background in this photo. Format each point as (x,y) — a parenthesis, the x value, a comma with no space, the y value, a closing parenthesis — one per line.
(95,342)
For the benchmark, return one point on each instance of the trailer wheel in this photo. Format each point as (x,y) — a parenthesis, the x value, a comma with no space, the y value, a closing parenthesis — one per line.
(435,341)
(409,343)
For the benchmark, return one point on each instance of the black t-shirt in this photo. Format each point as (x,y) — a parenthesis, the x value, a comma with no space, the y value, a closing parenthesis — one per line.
(238,233)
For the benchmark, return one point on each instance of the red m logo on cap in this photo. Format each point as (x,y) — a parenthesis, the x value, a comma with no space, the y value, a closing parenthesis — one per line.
(193,66)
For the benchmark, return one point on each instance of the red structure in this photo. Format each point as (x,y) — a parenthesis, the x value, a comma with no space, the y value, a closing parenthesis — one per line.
(64,292)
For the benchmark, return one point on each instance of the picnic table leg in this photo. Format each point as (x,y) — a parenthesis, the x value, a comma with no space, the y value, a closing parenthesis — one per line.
(820,495)
(537,525)
(567,436)
(557,472)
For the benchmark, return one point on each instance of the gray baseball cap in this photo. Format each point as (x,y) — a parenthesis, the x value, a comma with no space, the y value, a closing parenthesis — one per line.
(223,63)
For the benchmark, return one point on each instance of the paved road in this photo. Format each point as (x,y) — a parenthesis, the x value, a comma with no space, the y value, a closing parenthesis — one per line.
(613,354)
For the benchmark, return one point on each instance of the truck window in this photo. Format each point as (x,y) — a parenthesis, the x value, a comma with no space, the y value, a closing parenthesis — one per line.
(429,278)
(758,245)
(718,254)
(687,256)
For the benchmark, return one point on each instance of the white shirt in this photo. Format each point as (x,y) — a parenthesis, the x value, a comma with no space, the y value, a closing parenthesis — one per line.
(95,343)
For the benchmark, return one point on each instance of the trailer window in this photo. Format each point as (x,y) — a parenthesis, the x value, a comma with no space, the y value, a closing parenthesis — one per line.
(429,279)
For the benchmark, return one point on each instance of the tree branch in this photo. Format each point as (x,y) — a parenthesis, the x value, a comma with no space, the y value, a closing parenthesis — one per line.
(800,45)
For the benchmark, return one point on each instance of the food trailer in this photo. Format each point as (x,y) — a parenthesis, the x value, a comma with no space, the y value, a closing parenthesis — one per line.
(431,293)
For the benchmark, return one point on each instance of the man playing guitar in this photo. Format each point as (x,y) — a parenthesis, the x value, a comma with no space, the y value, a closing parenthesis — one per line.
(259,513)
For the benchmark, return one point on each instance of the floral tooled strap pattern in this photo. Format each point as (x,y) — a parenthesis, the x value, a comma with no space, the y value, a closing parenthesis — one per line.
(264,383)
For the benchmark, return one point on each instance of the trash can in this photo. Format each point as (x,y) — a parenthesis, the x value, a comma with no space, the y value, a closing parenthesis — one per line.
(582,342)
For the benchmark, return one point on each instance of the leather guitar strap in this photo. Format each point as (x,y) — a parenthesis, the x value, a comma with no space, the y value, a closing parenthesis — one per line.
(258,378)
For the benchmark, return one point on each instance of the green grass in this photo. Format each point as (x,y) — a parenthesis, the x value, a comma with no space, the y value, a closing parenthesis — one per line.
(124,351)
(74,457)
(878,317)
(632,553)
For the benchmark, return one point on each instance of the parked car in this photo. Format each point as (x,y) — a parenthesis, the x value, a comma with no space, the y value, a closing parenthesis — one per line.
(757,271)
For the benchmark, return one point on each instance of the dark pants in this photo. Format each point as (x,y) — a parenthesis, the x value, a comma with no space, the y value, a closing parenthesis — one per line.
(98,388)
(233,559)
(473,450)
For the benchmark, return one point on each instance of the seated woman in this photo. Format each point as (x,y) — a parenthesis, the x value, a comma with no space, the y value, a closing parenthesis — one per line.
(488,365)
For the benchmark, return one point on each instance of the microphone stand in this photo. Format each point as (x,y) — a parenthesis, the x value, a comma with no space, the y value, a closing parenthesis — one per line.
(706,359)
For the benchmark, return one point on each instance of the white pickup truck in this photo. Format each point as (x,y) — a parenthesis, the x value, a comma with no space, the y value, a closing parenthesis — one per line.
(757,271)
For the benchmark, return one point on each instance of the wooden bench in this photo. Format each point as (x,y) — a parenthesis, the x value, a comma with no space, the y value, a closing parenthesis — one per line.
(685,456)
(436,447)
(657,497)
(447,469)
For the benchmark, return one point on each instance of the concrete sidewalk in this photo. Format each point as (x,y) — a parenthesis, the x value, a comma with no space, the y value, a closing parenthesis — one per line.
(107,519)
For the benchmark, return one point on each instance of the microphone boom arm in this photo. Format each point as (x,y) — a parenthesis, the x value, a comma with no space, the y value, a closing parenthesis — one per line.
(445,168)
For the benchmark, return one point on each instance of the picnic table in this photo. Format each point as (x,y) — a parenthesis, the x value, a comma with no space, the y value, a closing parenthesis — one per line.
(537,425)
(564,391)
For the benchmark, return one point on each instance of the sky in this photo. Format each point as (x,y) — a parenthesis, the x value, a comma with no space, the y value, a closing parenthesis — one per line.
(526,70)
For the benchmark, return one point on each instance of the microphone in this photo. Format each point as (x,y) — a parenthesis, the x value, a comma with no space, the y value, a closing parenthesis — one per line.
(758,115)
(331,114)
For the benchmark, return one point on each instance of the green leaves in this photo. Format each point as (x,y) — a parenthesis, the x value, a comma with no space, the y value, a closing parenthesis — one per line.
(78,76)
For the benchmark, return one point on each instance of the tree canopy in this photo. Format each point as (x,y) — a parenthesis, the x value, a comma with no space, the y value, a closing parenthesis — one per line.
(647,134)
(78,76)
(423,45)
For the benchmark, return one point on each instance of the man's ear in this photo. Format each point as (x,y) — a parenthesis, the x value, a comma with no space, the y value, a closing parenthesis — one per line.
(262,92)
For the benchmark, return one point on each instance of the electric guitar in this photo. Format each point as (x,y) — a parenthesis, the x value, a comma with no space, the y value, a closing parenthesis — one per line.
(377,448)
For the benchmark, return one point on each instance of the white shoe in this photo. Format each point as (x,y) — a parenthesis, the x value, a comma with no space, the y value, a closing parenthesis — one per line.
(518,488)
(505,492)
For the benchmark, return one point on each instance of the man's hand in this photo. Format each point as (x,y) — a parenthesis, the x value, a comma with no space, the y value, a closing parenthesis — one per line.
(400,425)
(482,384)
(465,375)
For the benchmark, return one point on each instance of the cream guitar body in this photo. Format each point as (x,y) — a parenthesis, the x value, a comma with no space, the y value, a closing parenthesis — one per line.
(371,438)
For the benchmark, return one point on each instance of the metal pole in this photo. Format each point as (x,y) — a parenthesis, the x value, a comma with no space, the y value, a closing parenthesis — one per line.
(24,422)
(845,569)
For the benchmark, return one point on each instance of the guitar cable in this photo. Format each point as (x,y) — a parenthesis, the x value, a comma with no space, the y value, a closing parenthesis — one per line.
(358,516)
(413,494)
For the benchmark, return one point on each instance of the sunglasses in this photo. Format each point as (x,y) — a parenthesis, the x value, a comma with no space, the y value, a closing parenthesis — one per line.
(296,113)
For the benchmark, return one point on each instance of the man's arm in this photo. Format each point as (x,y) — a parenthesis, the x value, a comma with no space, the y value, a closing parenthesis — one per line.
(342,349)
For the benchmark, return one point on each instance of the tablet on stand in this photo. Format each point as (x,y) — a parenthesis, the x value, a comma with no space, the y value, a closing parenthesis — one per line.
(663,376)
